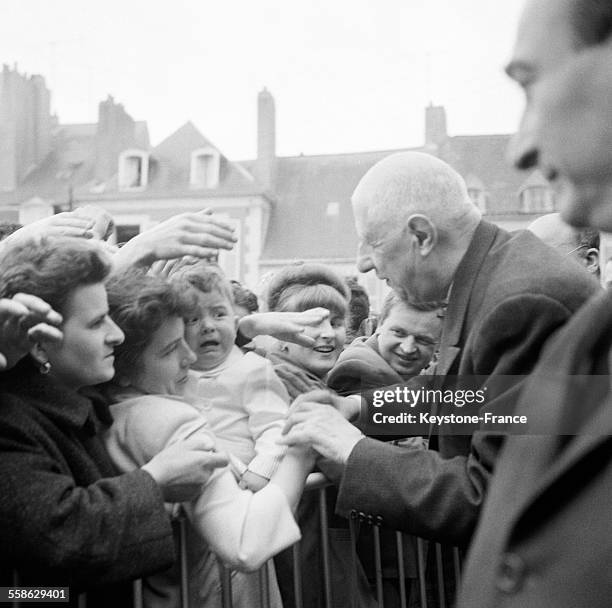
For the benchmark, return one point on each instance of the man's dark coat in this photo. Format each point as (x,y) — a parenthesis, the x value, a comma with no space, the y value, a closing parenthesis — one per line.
(509,294)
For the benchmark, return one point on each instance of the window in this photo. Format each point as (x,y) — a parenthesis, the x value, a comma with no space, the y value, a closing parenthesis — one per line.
(205,164)
(537,199)
(479,198)
(476,191)
(333,209)
(133,170)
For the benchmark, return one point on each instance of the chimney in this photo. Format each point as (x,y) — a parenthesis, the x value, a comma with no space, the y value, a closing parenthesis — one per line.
(435,125)
(115,132)
(266,139)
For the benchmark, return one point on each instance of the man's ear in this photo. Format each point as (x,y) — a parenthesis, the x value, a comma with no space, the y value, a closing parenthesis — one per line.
(591,260)
(421,227)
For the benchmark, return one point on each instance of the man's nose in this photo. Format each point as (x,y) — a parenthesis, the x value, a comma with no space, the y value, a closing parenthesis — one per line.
(408,345)
(523,149)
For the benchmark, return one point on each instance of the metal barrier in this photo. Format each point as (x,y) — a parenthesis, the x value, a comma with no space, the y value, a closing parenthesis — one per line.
(317,482)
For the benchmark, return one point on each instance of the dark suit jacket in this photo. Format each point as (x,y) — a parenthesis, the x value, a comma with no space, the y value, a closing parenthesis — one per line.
(545,536)
(66,518)
(509,294)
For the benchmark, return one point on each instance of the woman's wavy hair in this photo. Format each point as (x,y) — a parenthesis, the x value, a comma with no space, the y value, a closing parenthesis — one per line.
(302,286)
(139,303)
(51,268)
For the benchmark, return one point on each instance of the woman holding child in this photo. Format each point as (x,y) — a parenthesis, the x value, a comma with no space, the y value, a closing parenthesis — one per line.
(152,364)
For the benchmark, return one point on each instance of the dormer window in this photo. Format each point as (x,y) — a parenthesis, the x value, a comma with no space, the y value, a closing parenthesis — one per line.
(536,195)
(477,192)
(205,165)
(537,199)
(133,170)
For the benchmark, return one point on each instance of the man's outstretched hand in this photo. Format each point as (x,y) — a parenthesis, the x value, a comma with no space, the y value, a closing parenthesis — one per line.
(314,421)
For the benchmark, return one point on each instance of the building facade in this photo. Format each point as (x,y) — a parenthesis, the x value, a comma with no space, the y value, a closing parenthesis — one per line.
(284,209)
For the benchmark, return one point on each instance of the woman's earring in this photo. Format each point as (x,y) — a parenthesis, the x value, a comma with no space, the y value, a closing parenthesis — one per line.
(45,368)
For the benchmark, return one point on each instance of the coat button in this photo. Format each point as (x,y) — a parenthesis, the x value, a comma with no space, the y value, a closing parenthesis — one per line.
(511,573)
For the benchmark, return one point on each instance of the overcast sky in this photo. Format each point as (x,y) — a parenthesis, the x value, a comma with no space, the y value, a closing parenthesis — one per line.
(347,75)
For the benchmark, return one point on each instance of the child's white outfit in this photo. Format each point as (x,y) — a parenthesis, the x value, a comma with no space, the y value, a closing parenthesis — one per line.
(242,528)
(246,405)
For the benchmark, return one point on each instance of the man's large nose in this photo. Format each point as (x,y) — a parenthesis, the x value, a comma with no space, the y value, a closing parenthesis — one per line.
(408,345)
(523,148)
(364,261)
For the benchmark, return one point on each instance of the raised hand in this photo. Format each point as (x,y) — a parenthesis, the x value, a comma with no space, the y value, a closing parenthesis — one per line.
(285,326)
(198,234)
(24,320)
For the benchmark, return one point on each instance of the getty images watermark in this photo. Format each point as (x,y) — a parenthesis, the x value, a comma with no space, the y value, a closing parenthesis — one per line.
(462,405)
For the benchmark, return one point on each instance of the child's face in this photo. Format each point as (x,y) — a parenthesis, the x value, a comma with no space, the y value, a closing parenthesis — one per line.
(165,361)
(407,339)
(211,335)
(329,338)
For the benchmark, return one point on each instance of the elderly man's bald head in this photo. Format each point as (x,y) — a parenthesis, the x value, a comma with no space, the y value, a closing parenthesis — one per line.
(410,183)
(415,222)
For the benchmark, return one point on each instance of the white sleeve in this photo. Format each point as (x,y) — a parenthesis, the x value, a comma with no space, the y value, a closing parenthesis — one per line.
(242,528)
(267,404)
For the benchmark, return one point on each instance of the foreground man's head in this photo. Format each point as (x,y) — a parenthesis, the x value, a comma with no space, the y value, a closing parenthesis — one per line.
(562,60)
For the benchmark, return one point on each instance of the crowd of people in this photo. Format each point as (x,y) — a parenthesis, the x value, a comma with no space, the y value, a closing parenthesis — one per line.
(140,378)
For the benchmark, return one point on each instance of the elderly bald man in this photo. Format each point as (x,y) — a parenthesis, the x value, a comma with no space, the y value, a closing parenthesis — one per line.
(581,244)
(505,293)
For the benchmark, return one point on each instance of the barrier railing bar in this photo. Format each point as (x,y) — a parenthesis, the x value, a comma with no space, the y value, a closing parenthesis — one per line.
(226,585)
(353,541)
(16,603)
(182,548)
(378,566)
(264,585)
(440,576)
(137,591)
(421,571)
(457,563)
(297,576)
(400,568)
(325,549)
(82,600)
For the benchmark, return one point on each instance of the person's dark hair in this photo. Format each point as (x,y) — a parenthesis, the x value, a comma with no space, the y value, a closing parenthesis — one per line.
(393,300)
(244,297)
(204,277)
(7,228)
(591,21)
(51,268)
(139,303)
(299,287)
(359,306)
(588,238)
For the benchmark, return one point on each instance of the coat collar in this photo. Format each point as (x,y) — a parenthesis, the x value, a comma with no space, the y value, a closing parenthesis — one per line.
(63,406)
(461,292)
